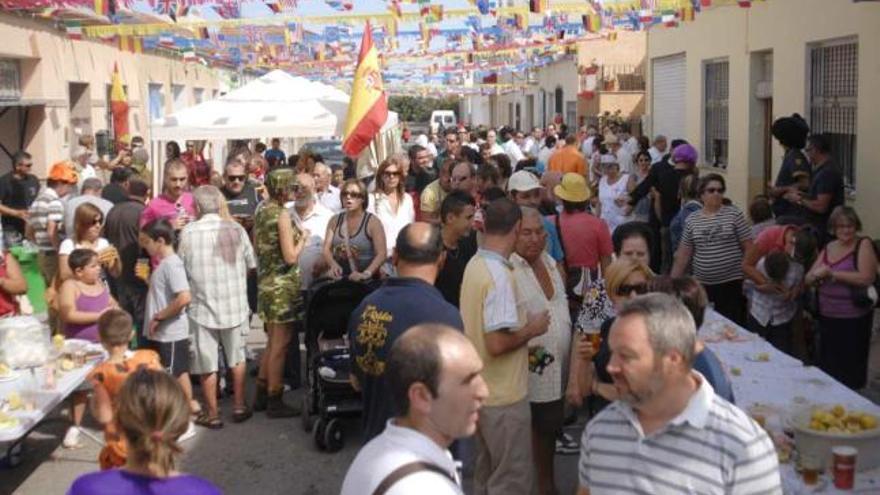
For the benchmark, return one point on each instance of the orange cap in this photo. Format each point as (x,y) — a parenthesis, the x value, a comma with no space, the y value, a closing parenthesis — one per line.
(63,171)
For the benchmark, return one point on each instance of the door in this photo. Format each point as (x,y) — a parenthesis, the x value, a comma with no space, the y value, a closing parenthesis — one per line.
(767,141)
(668,102)
(80,112)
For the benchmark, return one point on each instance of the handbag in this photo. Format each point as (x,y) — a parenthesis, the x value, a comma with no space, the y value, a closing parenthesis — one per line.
(865,297)
(574,276)
(596,306)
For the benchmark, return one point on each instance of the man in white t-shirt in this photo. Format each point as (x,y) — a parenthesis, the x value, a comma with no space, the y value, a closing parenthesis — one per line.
(510,147)
(658,149)
(435,382)
(327,194)
(624,157)
(311,216)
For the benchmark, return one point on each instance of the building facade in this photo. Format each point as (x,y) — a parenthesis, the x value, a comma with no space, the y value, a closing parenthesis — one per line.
(563,90)
(721,80)
(54,89)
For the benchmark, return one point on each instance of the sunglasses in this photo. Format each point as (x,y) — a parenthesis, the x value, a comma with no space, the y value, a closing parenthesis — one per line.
(352,194)
(391,173)
(627,289)
(713,190)
(236,178)
(97,221)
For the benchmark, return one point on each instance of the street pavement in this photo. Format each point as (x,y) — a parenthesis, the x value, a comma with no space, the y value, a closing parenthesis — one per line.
(261,456)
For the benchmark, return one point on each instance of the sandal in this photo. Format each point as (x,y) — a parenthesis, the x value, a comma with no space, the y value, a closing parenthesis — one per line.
(210,422)
(241,414)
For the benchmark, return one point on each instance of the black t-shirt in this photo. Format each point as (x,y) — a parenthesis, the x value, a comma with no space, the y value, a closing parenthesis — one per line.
(121,229)
(827,179)
(451,275)
(665,178)
(243,204)
(418,180)
(18,194)
(114,193)
(793,161)
(399,304)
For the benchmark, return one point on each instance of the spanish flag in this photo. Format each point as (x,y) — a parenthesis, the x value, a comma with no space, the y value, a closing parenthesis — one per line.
(119,108)
(368,108)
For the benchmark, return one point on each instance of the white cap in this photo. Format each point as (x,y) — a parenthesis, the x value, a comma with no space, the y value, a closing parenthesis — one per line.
(523,181)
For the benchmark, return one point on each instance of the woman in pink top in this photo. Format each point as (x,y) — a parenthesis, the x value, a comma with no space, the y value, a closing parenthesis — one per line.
(586,240)
(846,265)
(175,204)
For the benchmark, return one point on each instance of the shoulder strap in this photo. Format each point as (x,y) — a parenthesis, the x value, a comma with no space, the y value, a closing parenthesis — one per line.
(406,470)
(561,241)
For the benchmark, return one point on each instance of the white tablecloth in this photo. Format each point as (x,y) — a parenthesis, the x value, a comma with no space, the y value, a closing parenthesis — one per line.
(780,385)
(46,400)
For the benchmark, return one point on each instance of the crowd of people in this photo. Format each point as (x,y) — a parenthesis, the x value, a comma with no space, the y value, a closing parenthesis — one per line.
(495,258)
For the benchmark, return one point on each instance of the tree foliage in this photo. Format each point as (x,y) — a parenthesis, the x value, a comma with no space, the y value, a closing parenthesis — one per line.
(417,109)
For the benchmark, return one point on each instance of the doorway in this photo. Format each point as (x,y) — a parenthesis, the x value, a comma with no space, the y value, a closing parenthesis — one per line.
(80,112)
(767,141)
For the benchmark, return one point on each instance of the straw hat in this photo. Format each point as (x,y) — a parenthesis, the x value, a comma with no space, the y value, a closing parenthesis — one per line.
(572,189)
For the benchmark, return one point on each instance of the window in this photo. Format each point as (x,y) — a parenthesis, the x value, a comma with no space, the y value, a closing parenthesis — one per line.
(715,128)
(833,91)
(157,102)
(179,97)
(10,80)
(558,102)
(198,95)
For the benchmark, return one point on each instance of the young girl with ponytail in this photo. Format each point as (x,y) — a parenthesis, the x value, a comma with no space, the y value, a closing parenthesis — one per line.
(152,413)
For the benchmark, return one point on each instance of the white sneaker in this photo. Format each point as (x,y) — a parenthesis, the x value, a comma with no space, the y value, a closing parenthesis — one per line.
(71,438)
(190,432)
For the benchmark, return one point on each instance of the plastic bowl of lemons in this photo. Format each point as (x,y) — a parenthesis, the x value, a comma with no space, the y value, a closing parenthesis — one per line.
(820,427)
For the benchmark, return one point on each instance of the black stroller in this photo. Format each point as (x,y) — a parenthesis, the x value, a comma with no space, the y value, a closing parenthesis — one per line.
(328,394)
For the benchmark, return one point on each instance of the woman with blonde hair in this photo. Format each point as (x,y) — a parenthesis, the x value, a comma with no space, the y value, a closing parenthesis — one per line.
(844,273)
(151,413)
(88,223)
(625,279)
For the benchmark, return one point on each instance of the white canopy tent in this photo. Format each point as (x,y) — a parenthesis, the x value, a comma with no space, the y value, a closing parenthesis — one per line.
(276,104)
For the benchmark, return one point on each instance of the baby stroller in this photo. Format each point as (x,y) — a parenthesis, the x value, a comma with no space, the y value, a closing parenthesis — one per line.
(328,394)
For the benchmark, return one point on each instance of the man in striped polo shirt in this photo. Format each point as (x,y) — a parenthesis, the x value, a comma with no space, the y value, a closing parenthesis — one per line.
(669,432)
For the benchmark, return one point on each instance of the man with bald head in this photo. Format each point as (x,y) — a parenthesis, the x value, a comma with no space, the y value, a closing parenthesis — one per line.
(327,194)
(404,301)
(437,389)
(309,214)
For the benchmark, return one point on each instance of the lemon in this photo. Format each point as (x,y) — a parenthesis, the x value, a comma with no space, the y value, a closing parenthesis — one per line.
(14,400)
(838,410)
(868,421)
(58,341)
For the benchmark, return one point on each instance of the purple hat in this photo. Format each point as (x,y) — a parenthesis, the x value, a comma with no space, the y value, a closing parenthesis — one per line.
(685,153)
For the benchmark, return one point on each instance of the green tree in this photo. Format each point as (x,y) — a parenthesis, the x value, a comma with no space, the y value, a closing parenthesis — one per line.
(417,109)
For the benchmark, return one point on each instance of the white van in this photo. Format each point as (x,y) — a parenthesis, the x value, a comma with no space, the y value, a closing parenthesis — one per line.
(442,119)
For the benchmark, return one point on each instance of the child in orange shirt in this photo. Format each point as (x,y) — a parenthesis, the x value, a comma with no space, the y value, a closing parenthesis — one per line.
(115,331)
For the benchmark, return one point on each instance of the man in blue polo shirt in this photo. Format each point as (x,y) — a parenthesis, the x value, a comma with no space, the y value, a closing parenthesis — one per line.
(402,302)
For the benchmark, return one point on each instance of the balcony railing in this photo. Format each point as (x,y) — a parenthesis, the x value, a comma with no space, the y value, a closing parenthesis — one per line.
(615,78)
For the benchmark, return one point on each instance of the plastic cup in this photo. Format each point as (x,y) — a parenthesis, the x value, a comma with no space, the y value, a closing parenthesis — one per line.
(844,466)
(810,468)
(142,269)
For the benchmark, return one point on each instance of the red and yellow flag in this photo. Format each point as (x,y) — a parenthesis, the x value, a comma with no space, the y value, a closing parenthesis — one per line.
(119,108)
(368,107)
